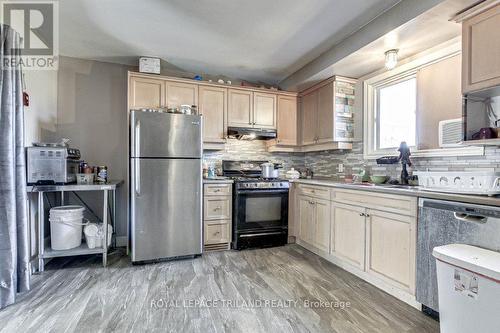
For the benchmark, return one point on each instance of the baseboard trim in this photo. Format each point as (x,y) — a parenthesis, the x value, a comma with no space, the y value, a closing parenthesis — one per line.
(121,241)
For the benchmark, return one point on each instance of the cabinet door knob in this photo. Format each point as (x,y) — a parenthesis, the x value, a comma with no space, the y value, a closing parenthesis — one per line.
(362,214)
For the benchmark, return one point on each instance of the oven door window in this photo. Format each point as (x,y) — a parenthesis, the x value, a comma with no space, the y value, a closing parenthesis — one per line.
(256,209)
(263,209)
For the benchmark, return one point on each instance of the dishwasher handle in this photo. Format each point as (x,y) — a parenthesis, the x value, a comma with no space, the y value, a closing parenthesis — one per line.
(470,218)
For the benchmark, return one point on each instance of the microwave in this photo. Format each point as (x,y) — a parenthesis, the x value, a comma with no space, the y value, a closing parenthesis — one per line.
(52,165)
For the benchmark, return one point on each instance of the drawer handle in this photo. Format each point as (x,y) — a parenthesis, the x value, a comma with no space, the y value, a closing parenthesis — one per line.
(216,233)
(217,208)
(217,190)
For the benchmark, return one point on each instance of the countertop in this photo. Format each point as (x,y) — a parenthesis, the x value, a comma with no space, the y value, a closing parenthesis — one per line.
(218,180)
(415,191)
(110,185)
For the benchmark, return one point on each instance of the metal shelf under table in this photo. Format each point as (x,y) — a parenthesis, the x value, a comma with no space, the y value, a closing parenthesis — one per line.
(45,252)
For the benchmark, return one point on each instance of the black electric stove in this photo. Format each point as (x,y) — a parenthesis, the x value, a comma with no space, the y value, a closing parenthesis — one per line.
(260,206)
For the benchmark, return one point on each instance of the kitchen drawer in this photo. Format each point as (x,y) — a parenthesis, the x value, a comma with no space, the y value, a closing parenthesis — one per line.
(216,233)
(208,222)
(218,189)
(399,204)
(216,208)
(319,192)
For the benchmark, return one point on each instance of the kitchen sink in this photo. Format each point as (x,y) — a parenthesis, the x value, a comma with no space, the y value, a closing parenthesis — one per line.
(400,186)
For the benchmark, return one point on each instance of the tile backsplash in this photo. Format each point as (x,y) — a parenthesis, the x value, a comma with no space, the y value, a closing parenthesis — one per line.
(325,163)
(253,150)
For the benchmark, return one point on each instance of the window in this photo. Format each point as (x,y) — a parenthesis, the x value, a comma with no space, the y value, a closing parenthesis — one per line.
(395,118)
(395,110)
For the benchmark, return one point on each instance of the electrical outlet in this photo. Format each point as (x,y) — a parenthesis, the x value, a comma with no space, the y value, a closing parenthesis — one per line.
(341,167)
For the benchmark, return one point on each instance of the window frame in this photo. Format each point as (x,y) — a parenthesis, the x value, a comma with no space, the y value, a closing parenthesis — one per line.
(407,69)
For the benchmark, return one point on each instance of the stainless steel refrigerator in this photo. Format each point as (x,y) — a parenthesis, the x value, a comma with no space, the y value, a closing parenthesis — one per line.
(165,185)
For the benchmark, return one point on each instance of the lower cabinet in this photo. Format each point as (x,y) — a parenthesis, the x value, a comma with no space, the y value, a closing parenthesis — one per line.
(217,216)
(314,222)
(391,247)
(371,235)
(348,234)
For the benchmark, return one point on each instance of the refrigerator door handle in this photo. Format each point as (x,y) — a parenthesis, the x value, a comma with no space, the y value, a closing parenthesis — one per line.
(137,176)
(137,138)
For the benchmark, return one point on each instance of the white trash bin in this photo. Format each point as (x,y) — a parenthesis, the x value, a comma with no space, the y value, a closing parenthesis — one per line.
(468,288)
(66,227)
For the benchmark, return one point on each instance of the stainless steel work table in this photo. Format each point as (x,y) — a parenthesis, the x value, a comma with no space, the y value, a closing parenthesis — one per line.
(46,252)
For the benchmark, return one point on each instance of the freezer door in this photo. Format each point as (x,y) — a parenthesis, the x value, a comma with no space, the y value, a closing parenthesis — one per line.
(165,208)
(155,134)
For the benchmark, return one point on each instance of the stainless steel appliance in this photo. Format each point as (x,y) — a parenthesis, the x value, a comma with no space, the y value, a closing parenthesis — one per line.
(260,206)
(447,222)
(251,133)
(51,165)
(165,185)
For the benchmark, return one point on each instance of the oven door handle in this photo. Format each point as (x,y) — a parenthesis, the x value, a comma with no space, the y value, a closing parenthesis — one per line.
(278,191)
(261,234)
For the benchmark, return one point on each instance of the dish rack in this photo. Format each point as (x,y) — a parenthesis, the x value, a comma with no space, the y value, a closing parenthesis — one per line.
(466,182)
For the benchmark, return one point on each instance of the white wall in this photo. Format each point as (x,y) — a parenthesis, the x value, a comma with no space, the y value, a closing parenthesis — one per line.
(85,101)
(40,116)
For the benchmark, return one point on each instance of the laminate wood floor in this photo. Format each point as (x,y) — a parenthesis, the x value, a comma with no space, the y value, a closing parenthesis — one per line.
(269,290)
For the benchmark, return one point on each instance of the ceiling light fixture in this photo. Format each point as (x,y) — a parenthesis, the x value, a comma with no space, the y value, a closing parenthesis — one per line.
(391,59)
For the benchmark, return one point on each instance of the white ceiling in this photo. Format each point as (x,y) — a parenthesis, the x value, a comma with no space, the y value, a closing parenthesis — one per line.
(430,29)
(259,40)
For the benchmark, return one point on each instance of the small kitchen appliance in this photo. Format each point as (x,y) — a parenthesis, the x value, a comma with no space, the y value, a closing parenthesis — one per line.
(51,164)
(460,182)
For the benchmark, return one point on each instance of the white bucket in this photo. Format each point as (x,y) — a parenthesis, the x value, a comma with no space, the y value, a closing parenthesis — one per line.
(66,227)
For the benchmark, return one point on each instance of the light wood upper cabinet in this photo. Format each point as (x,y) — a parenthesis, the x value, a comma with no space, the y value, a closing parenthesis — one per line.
(251,109)
(264,110)
(324,129)
(146,93)
(390,250)
(348,234)
(433,82)
(240,108)
(481,51)
(309,118)
(213,107)
(181,93)
(327,114)
(287,121)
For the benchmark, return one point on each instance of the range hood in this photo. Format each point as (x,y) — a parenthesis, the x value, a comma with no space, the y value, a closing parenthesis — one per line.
(250,133)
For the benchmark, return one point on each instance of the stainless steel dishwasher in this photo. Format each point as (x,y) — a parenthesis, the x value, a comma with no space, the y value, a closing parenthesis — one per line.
(448,222)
